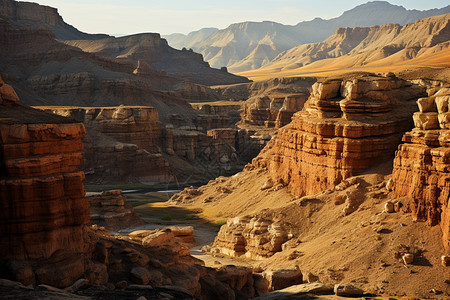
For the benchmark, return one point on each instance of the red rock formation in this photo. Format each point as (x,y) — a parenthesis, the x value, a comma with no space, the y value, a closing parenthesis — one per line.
(422,164)
(346,126)
(41,190)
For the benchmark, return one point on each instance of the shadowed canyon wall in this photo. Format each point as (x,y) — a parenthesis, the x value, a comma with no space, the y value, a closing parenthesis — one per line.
(42,195)
(123,143)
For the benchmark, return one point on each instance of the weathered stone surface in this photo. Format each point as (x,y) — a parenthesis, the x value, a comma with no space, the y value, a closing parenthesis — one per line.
(123,142)
(273,111)
(159,238)
(109,209)
(347,290)
(141,275)
(427,105)
(421,172)
(355,124)
(280,279)
(300,289)
(426,120)
(255,238)
(41,189)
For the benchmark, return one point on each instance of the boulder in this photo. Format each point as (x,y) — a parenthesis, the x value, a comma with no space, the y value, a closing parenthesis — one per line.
(347,290)
(159,238)
(141,275)
(280,279)
(426,121)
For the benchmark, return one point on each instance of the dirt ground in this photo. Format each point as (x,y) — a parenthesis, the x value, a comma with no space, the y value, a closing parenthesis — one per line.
(360,248)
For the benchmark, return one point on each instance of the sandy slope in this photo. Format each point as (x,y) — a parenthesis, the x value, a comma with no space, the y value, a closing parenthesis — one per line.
(358,248)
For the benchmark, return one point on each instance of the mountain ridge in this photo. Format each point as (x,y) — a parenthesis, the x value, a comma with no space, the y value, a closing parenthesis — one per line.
(219,50)
(365,45)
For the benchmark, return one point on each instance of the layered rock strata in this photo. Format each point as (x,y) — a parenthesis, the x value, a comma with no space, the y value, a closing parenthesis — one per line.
(109,209)
(123,142)
(272,111)
(41,190)
(346,126)
(422,163)
(253,237)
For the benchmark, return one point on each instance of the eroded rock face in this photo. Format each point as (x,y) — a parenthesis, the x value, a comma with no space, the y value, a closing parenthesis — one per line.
(273,111)
(346,126)
(41,188)
(422,164)
(123,142)
(110,210)
(254,237)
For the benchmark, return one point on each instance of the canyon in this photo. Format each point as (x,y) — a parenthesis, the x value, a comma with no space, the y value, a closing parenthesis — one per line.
(202,184)
(319,194)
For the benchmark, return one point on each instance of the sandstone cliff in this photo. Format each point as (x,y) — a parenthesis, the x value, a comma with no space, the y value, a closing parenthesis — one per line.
(421,164)
(44,236)
(318,196)
(347,126)
(44,209)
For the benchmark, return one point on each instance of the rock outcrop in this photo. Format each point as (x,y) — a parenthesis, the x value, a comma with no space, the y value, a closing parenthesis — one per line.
(346,126)
(41,188)
(109,209)
(44,211)
(253,237)
(421,165)
(272,111)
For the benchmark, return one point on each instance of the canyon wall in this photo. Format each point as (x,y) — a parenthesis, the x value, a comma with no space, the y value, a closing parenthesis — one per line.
(123,143)
(272,111)
(346,126)
(422,163)
(130,144)
(42,195)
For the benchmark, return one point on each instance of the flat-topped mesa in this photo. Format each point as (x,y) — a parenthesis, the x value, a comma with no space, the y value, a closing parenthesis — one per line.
(346,126)
(273,111)
(123,142)
(41,190)
(422,163)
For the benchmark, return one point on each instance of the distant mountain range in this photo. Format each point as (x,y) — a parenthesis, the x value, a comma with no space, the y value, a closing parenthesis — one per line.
(387,44)
(251,45)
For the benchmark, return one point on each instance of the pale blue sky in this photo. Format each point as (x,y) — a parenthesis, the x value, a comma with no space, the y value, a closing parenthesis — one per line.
(183,16)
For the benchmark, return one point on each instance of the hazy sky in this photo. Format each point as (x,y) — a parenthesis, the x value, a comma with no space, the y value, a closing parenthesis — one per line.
(183,16)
